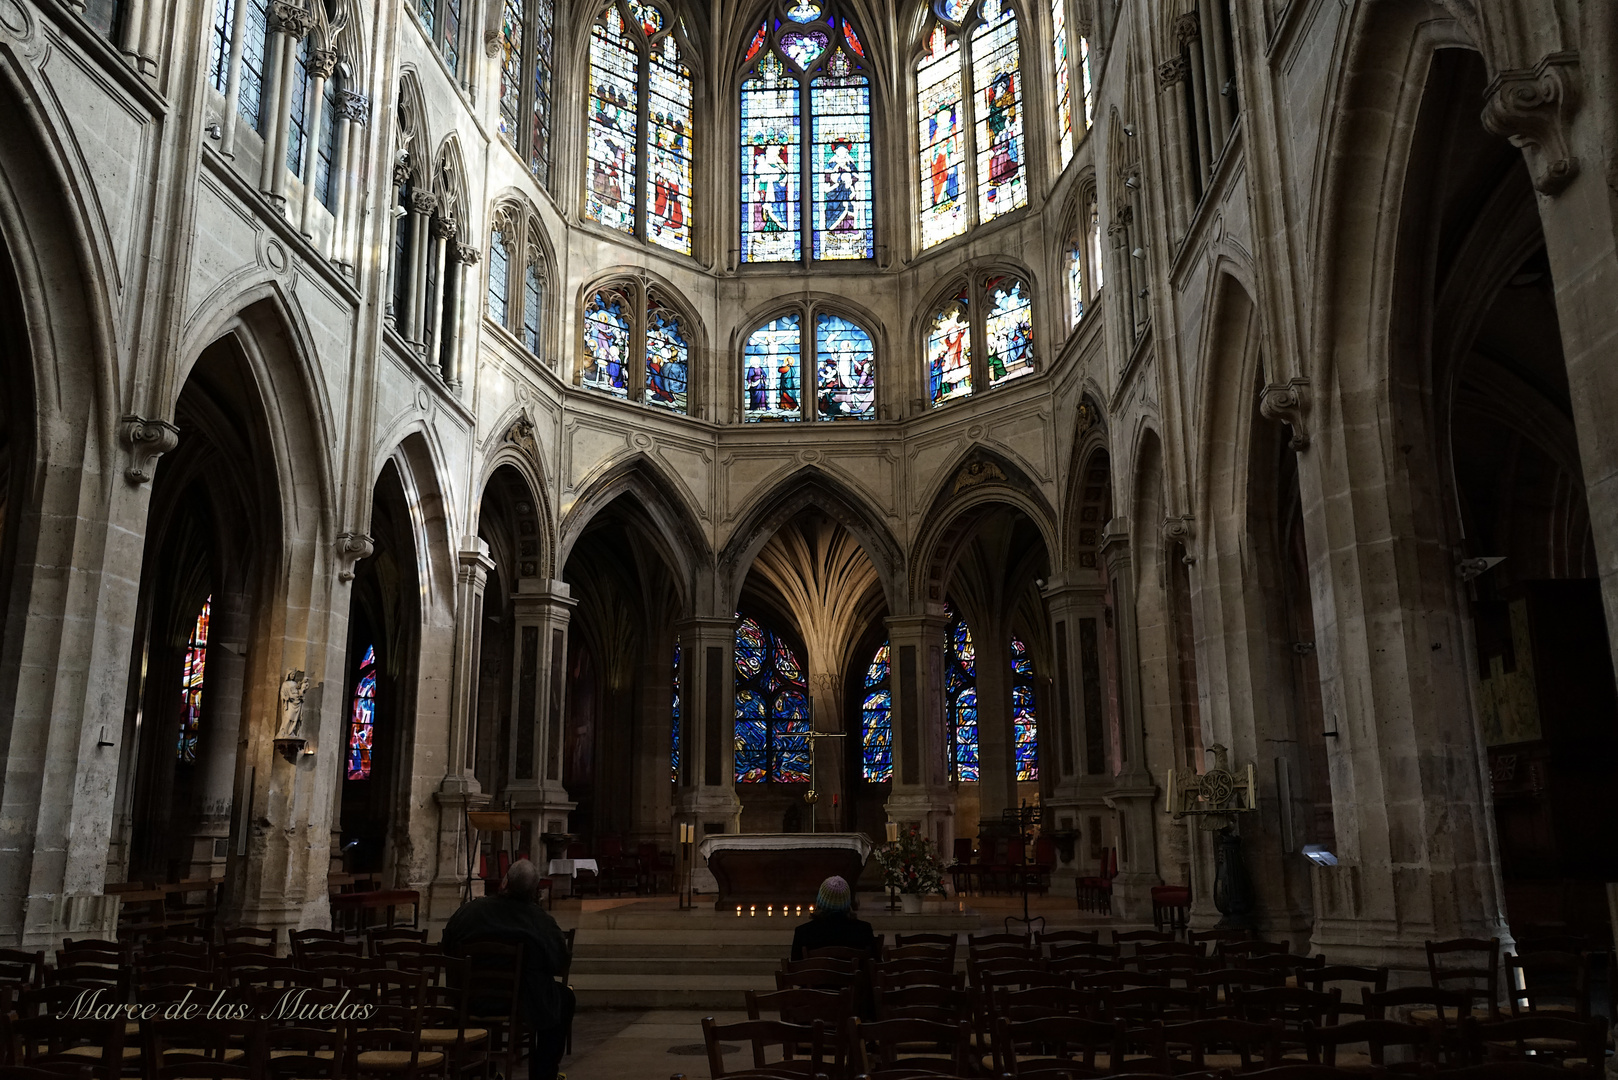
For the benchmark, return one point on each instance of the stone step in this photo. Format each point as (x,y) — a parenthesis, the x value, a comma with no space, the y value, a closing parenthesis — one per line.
(770,951)
(683,991)
(630,964)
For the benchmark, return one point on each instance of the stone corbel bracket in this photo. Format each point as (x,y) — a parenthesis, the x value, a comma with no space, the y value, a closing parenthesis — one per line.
(1181,530)
(1534,109)
(147,440)
(1288,403)
(351,548)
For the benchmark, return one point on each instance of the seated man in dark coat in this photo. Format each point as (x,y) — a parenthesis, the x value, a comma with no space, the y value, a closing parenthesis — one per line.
(513,916)
(833,923)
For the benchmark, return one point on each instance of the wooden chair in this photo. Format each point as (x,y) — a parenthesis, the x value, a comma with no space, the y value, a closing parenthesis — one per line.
(1548,982)
(1122,979)
(1508,1070)
(975,942)
(818,974)
(1360,978)
(1468,964)
(1237,1045)
(494,975)
(1056,1046)
(830,1007)
(948,941)
(1143,1005)
(886,978)
(1236,953)
(886,1049)
(939,1004)
(838,952)
(1024,978)
(763,1034)
(1215,937)
(26,1072)
(1220,984)
(920,955)
(247,935)
(293,1052)
(74,1045)
(1297,1009)
(215,1049)
(389,1044)
(445,1015)
(1068,937)
(377,935)
(324,943)
(21,969)
(1578,1046)
(1420,1041)
(1427,1005)
(1126,936)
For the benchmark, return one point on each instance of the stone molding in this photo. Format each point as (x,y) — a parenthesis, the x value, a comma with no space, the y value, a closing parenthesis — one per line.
(353,107)
(1288,403)
(447,230)
(290,19)
(351,548)
(147,440)
(423,202)
(491,43)
(1534,109)
(322,62)
(466,254)
(1188,28)
(1170,72)
(1181,530)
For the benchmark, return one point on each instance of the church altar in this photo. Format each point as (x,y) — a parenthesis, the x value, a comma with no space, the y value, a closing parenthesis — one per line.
(781,868)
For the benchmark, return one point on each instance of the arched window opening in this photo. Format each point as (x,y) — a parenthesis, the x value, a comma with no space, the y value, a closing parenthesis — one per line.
(876,721)
(636,346)
(326,139)
(961,697)
(985,127)
(674,713)
(499,275)
(1096,262)
(527,38)
(297,126)
(990,316)
(839,363)
(441,19)
(362,718)
(1209,105)
(533,298)
(255,39)
(772,708)
(192,675)
(1074,257)
(1073,119)
(518,276)
(104,16)
(805,86)
(640,125)
(1024,713)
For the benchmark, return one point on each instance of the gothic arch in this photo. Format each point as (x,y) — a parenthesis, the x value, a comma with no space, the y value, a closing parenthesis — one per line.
(1083,509)
(811,487)
(419,462)
(1231,364)
(414,134)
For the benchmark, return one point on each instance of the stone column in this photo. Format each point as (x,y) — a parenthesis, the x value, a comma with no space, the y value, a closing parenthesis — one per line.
(233,80)
(997,755)
(322,62)
(220,737)
(288,24)
(466,255)
(829,755)
(707,790)
(1132,794)
(540,615)
(353,113)
(1078,721)
(920,794)
(443,239)
(1188,31)
(422,205)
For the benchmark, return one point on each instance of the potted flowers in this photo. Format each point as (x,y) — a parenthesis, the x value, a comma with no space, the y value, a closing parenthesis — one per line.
(910,864)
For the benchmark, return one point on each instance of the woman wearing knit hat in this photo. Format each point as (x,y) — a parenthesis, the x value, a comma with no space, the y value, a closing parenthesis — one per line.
(833,923)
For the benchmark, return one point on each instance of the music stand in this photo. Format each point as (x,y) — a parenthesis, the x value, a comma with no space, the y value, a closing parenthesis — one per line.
(483,821)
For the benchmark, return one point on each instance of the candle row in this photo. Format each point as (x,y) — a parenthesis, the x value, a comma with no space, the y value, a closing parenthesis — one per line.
(769,910)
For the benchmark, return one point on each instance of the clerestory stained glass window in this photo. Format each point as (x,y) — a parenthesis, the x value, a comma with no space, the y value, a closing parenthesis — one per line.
(949,350)
(845,369)
(607,342)
(806,130)
(961,697)
(1064,89)
(1075,278)
(771,368)
(362,718)
(674,713)
(876,726)
(972,43)
(1008,330)
(640,175)
(772,708)
(192,674)
(636,345)
(779,358)
(1024,715)
(980,335)
(527,39)
(499,276)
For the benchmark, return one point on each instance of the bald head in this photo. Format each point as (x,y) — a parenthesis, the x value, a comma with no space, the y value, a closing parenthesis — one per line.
(522,881)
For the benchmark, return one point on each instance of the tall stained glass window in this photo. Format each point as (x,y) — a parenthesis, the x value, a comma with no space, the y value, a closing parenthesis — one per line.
(674,717)
(636,345)
(442,21)
(949,351)
(1064,89)
(1008,330)
(772,708)
(780,359)
(1089,86)
(806,131)
(876,721)
(972,43)
(961,698)
(499,276)
(533,298)
(362,718)
(639,178)
(1075,278)
(518,278)
(298,126)
(1024,716)
(192,673)
(326,144)
(1096,265)
(527,38)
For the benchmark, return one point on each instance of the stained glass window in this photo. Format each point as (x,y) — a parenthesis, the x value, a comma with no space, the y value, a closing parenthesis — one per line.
(668,359)
(1096,265)
(1075,279)
(806,89)
(1024,717)
(845,369)
(219,45)
(533,292)
(326,146)
(943,139)
(1008,330)
(362,718)
(255,40)
(607,343)
(674,724)
(772,708)
(524,116)
(949,351)
(961,697)
(1064,91)
(539,141)
(876,729)
(499,276)
(640,178)
(513,24)
(997,81)
(1089,87)
(191,678)
(771,370)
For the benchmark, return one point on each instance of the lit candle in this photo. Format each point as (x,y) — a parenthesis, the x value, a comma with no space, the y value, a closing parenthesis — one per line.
(752,909)
(769,910)
(893,831)
(800,909)
(738,911)
(811,909)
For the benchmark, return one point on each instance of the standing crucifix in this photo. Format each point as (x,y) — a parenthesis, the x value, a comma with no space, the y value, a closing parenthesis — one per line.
(812,796)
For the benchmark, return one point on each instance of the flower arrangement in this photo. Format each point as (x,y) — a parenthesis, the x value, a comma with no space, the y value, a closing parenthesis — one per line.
(911,864)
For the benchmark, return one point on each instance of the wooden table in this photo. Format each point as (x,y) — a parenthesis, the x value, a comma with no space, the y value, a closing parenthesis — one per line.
(354,903)
(781,868)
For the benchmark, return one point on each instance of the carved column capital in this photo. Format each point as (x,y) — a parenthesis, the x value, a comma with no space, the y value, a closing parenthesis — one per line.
(353,107)
(1181,530)
(1187,28)
(290,19)
(1171,71)
(447,229)
(322,62)
(1534,109)
(1288,403)
(491,43)
(147,440)
(401,168)
(423,202)
(466,254)
(351,548)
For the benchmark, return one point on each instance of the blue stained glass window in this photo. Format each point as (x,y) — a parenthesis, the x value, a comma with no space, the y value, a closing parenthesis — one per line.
(607,343)
(961,697)
(512,23)
(806,135)
(674,710)
(845,369)
(1024,716)
(1075,279)
(668,221)
(533,294)
(614,123)
(539,146)
(362,718)
(1008,330)
(326,147)
(772,708)
(192,675)
(499,276)
(949,351)
(997,83)
(771,363)
(1064,92)
(955,10)
(219,44)
(941,111)
(255,40)
(876,730)
(668,358)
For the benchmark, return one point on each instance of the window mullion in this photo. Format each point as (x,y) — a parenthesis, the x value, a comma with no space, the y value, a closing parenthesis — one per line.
(808,388)
(643,113)
(969,133)
(635,383)
(806,201)
(976,309)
